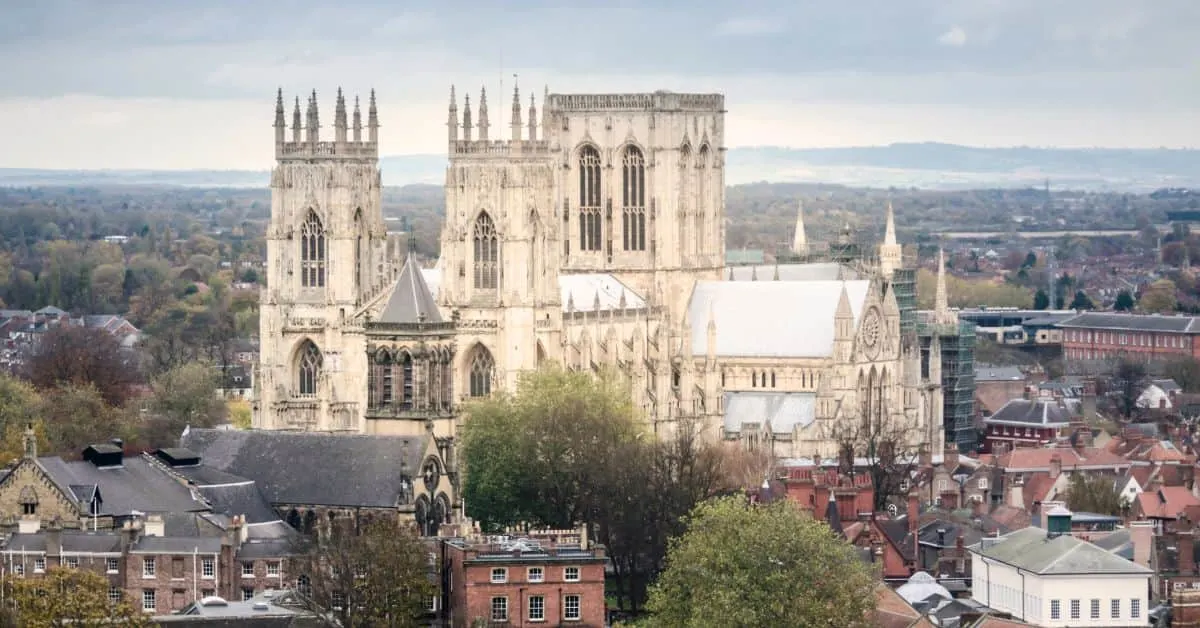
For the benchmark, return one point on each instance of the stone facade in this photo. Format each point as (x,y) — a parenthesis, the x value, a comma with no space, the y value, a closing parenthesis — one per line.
(591,236)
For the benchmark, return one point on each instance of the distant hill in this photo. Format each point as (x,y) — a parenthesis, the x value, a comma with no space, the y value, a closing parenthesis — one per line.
(924,165)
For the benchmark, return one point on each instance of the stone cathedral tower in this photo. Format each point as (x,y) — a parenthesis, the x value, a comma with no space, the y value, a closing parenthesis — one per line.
(326,257)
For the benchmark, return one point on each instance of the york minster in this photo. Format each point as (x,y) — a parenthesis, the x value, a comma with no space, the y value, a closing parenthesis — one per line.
(590,233)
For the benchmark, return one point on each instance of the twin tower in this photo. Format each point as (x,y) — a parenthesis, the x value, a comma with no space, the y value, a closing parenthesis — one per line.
(306,138)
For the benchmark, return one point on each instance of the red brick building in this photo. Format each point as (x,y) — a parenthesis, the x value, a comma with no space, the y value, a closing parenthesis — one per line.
(524,582)
(1099,336)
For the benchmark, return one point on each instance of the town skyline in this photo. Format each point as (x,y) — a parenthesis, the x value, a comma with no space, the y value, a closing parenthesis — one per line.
(144,86)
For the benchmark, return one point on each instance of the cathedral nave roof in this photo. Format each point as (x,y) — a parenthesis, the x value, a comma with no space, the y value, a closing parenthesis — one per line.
(781,412)
(781,319)
(411,301)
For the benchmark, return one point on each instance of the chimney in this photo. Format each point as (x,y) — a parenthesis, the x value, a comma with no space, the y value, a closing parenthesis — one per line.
(155,526)
(1055,465)
(914,512)
(1058,522)
(950,458)
(1016,493)
(129,534)
(1141,533)
(1185,541)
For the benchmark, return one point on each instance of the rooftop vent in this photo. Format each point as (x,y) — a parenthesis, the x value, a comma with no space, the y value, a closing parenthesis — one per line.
(213,600)
(261,606)
(178,456)
(104,455)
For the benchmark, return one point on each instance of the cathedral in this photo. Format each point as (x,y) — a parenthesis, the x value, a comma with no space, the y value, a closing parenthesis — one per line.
(590,234)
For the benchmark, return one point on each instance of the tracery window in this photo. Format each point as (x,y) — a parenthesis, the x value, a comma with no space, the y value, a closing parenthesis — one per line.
(308,369)
(687,241)
(633,212)
(406,381)
(701,233)
(589,199)
(487,253)
(358,251)
(312,252)
(480,376)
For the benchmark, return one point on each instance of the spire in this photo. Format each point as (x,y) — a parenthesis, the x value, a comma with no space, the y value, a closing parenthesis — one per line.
(889,233)
(357,121)
(941,300)
(800,239)
(711,348)
(483,115)
(515,123)
(467,118)
(280,121)
(754,273)
(372,120)
(545,108)
(339,118)
(776,276)
(315,123)
(532,120)
(30,439)
(308,120)
(452,118)
(296,121)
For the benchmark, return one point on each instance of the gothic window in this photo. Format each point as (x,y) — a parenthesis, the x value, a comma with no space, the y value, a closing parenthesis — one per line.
(387,392)
(633,212)
(701,234)
(686,240)
(772,379)
(589,199)
(754,379)
(406,381)
(480,374)
(487,253)
(358,251)
(312,252)
(29,501)
(308,369)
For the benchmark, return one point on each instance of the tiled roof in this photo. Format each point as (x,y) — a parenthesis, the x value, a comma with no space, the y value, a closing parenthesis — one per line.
(1168,502)
(1038,459)
(1033,550)
(788,319)
(411,300)
(1026,412)
(313,468)
(1133,322)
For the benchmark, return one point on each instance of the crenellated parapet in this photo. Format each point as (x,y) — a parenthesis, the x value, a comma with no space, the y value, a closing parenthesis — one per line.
(305,142)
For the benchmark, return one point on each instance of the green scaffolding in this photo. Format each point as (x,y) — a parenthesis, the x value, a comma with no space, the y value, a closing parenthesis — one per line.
(958,377)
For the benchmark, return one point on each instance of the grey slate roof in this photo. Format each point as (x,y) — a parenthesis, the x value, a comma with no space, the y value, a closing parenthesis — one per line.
(240,499)
(176,545)
(1026,412)
(313,468)
(1032,550)
(988,373)
(411,300)
(1133,322)
(135,485)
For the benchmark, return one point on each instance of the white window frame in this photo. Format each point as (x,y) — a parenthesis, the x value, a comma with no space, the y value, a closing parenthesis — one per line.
(247,569)
(149,600)
(274,569)
(208,568)
(114,595)
(72,562)
(499,575)
(567,607)
(540,607)
(498,608)
(1076,609)
(112,565)
(149,567)
(567,574)
(1056,609)
(1135,608)
(536,574)
(1114,608)
(39,565)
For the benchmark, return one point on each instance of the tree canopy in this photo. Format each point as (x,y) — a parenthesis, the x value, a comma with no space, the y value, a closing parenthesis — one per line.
(744,565)
(65,597)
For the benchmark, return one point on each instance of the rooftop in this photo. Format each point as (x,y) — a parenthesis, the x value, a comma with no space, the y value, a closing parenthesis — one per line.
(1033,550)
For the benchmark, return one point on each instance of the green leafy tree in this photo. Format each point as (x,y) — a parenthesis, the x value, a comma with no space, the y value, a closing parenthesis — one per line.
(1041,300)
(66,597)
(1081,301)
(1159,297)
(1124,302)
(744,565)
(1095,494)
(375,576)
(185,395)
(20,404)
(1185,370)
(77,416)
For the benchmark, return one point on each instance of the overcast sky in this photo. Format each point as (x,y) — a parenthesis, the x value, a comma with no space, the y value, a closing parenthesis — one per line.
(153,84)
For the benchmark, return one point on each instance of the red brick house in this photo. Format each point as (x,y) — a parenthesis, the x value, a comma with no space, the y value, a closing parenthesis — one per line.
(1098,336)
(524,582)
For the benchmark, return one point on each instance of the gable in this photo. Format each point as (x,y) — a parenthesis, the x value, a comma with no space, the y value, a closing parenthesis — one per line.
(30,481)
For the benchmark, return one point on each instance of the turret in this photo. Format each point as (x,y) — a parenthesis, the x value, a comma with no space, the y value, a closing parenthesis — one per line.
(941,298)
(372,120)
(467,118)
(314,121)
(515,123)
(452,119)
(296,122)
(890,253)
(800,239)
(339,119)
(357,121)
(532,120)
(280,122)
(483,115)
(309,130)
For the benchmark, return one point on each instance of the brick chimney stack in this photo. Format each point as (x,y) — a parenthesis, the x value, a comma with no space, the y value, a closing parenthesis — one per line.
(1055,465)
(914,512)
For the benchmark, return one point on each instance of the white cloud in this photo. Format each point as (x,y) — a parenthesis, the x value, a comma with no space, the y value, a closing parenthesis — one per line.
(750,27)
(955,37)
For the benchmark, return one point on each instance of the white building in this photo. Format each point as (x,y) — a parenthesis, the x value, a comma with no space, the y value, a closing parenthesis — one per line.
(1046,577)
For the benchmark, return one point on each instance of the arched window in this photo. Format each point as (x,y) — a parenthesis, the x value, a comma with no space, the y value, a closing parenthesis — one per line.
(772,379)
(359,252)
(406,381)
(487,253)
(633,209)
(701,232)
(480,375)
(754,379)
(687,241)
(312,252)
(308,369)
(589,199)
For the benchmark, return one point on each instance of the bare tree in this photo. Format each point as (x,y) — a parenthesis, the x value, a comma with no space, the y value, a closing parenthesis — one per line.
(883,442)
(377,575)
(1128,382)
(70,354)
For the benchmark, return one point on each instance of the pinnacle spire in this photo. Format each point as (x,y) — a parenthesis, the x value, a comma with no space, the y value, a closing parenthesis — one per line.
(532,119)
(483,115)
(452,119)
(889,234)
(339,117)
(372,119)
(941,301)
(515,122)
(467,118)
(279,121)
(711,340)
(296,121)
(800,238)
(357,121)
